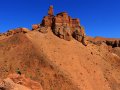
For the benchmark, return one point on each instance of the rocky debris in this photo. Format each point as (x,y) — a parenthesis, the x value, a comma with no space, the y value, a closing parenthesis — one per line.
(115,43)
(110,42)
(42,29)
(19,82)
(8,84)
(15,31)
(19,30)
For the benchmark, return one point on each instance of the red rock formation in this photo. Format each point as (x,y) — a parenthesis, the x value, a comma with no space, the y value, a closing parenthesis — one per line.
(115,43)
(75,22)
(60,24)
(50,11)
(35,26)
(19,82)
(63,19)
(47,21)
(17,30)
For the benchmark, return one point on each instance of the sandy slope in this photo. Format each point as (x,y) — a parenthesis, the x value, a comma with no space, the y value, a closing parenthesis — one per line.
(19,52)
(61,65)
(90,68)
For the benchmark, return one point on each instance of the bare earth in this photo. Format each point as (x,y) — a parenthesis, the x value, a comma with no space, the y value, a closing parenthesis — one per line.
(58,64)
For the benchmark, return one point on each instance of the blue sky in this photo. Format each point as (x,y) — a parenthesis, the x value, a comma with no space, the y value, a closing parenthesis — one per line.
(99,17)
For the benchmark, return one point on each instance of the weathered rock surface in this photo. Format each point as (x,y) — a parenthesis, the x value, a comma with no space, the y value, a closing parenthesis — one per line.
(63,25)
(43,29)
(63,32)
(108,41)
(115,43)
(79,34)
(35,26)
(19,82)
(15,31)
(47,21)
(50,11)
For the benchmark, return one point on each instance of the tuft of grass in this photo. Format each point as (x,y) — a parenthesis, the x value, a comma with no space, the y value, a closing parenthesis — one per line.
(18,71)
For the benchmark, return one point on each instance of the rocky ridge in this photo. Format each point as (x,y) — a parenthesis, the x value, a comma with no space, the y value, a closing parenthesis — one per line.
(65,27)
(62,25)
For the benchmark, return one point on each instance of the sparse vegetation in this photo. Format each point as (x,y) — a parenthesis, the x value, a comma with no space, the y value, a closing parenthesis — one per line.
(18,71)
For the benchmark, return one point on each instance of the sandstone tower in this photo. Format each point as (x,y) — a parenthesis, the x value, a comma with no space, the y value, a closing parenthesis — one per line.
(62,25)
(51,11)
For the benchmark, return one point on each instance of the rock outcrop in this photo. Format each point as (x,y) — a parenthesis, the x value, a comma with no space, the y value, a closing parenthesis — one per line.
(108,41)
(79,34)
(15,31)
(65,27)
(51,11)
(62,26)
(63,32)
(19,82)
(115,43)
(35,26)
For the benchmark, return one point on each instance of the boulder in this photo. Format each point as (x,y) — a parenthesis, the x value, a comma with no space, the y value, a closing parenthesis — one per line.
(35,26)
(19,82)
(25,30)
(8,84)
(17,30)
(43,29)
